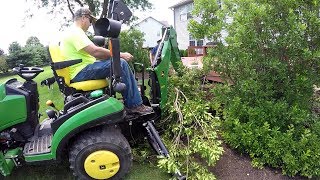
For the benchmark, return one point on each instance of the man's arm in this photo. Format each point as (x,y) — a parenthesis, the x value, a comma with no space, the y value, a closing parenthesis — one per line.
(102,53)
(97,52)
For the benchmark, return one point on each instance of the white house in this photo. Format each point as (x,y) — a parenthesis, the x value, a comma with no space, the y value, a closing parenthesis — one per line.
(152,30)
(182,15)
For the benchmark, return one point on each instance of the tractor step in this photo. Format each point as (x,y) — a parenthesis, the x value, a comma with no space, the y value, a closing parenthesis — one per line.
(140,118)
(41,145)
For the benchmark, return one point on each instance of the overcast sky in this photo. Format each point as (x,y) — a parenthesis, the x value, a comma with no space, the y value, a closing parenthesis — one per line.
(13,27)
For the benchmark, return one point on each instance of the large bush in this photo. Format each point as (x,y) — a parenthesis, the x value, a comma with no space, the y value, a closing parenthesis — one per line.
(271,57)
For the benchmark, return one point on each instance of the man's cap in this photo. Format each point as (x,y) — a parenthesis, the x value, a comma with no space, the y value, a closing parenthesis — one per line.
(82,12)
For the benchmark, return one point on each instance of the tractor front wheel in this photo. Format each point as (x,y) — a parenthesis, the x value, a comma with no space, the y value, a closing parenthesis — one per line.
(100,154)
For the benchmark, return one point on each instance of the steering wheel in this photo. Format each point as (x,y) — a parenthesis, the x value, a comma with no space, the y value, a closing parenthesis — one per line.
(27,73)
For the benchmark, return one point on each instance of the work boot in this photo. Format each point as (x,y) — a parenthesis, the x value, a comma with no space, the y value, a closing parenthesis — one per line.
(141,109)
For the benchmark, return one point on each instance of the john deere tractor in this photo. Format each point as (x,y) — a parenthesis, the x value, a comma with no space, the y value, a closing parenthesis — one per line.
(92,130)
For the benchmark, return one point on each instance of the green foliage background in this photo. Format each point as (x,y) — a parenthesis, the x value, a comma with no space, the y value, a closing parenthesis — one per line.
(32,54)
(271,61)
(131,41)
(3,64)
(183,53)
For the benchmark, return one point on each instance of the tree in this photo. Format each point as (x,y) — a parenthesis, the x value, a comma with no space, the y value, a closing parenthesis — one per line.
(32,54)
(131,41)
(40,54)
(33,41)
(272,59)
(3,64)
(96,6)
(1,52)
(14,49)
(14,46)
(21,56)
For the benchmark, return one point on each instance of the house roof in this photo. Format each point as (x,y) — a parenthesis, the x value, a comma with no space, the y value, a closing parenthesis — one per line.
(164,23)
(181,3)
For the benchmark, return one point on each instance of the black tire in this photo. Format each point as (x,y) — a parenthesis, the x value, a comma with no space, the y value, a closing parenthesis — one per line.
(107,139)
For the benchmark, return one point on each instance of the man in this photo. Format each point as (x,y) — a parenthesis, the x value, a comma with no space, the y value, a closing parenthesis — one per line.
(153,52)
(76,45)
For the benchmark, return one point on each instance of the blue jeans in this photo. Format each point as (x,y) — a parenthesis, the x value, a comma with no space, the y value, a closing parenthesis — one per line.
(101,70)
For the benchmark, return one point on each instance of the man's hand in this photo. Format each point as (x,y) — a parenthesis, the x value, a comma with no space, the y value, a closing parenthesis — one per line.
(126,56)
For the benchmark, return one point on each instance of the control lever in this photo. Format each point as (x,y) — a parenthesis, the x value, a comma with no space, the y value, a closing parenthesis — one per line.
(51,114)
(50,103)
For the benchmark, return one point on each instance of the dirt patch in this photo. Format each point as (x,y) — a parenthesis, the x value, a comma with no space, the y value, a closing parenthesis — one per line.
(234,166)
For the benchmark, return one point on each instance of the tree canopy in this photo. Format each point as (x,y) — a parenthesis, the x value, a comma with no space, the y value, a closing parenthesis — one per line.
(33,41)
(98,7)
(3,62)
(1,52)
(32,54)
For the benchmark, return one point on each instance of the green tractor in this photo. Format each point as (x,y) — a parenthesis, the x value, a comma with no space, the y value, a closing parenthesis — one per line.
(93,129)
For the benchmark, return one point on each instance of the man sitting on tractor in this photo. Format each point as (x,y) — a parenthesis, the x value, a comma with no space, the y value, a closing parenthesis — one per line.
(75,44)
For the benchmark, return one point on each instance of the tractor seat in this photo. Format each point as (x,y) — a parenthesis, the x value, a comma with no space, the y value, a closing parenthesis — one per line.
(60,68)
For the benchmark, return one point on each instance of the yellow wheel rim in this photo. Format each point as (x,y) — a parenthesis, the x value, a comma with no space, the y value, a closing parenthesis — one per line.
(102,164)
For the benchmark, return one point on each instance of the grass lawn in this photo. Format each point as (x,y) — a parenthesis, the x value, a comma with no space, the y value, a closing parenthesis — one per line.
(61,171)
(139,171)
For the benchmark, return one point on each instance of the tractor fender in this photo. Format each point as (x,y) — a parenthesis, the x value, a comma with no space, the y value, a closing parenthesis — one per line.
(110,111)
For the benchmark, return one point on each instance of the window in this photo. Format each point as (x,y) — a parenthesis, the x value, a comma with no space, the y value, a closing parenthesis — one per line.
(192,41)
(195,42)
(189,15)
(191,37)
(183,17)
(200,42)
(185,12)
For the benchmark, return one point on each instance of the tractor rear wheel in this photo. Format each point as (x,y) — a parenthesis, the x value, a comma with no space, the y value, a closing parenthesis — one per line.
(100,154)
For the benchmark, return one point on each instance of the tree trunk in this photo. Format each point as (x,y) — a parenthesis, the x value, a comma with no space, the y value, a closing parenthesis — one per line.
(104,8)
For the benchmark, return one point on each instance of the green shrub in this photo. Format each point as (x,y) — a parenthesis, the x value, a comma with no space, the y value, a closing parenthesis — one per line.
(183,53)
(191,128)
(272,59)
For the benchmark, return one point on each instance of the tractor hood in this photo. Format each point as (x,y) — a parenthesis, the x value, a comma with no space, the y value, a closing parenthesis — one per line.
(13,108)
